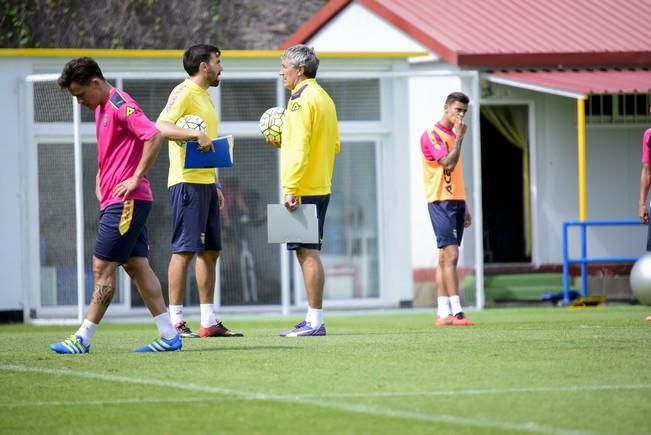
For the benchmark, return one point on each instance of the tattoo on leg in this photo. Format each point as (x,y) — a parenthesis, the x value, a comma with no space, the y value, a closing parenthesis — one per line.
(103,294)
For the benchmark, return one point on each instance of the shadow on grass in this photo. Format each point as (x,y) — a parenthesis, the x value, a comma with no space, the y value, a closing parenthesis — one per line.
(367,333)
(235,348)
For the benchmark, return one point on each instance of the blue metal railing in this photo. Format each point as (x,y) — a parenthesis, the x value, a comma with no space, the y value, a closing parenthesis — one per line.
(584,260)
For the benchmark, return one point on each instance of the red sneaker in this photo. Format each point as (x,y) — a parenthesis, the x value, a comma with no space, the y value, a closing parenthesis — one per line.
(460,320)
(218,330)
(443,321)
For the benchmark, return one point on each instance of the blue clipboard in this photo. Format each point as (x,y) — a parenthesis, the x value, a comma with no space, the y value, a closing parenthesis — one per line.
(222,157)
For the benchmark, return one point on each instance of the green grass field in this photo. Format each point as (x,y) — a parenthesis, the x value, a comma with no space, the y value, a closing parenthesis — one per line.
(525,370)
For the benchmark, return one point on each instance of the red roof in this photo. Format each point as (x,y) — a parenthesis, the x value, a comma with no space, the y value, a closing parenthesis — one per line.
(502,33)
(582,82)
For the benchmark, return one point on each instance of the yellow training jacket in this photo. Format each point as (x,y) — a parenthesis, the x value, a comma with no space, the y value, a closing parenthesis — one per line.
(310,141)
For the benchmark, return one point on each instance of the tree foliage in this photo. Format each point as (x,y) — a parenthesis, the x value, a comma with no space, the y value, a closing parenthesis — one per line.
(151,24)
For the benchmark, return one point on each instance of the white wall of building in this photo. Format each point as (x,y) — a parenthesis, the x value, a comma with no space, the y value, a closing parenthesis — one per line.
(396,268)
(427,96)
(614,165)
(12,191)
(358,29)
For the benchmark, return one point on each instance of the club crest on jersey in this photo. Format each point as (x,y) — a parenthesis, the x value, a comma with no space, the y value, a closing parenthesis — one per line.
(295,107)
(130,111)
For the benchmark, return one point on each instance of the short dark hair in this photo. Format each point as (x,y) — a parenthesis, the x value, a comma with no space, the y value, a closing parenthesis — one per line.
(81,70)
(196,54)
(457,96)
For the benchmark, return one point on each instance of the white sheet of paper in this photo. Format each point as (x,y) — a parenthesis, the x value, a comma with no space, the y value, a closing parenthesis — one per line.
(298,226)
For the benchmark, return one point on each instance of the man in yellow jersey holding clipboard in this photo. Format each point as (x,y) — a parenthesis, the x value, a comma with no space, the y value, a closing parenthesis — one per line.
(195,194)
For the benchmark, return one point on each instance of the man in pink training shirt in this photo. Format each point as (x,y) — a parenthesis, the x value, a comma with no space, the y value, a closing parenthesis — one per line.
(127,146)
(645,182)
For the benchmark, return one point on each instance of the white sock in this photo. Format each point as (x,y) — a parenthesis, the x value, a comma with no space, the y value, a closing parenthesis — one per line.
(86,331)
(208,317)
(176,314)
(443,310)
(164,324)
(455,303)
(314,317)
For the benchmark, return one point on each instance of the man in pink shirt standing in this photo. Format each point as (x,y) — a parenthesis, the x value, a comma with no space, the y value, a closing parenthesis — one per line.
(645,182)
(127,146)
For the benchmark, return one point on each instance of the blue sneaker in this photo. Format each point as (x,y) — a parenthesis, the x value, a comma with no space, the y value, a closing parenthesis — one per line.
(72,344)
(163,345)
(304,329)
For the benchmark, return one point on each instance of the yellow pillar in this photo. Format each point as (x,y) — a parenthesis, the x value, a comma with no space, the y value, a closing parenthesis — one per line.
(580,120)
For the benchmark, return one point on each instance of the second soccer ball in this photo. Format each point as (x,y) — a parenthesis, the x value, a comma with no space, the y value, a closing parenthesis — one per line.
(271,125)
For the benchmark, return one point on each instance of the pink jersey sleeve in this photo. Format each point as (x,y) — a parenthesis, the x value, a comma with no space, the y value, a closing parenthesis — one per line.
(137,121)
(646,147)
(432,145)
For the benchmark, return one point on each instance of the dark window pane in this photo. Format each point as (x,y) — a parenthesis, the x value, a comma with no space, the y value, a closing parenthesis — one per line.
(641,104)
(53,104)
(246,100)
(151,95)
(607,105)
(356,100)
(249,266)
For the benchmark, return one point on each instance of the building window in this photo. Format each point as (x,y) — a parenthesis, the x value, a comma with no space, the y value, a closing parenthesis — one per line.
(355,99)
(633,105)
(151,95)
(245,99)
(350,250)
(53,104)
(619,108)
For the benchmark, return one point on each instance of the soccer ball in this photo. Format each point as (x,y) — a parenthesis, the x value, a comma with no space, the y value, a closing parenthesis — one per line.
(271,125)
(641,279)
(192,122)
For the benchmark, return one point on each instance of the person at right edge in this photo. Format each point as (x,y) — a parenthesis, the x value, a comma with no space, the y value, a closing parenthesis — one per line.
(645,183)
(308,146)
(446,197)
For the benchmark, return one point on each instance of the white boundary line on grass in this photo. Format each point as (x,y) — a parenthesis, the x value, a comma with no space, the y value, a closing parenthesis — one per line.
(92,402)
(311,401)
(476,392)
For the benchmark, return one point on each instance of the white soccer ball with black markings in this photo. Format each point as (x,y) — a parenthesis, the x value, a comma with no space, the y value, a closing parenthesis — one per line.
(271,125)
(192,122)
(640,279)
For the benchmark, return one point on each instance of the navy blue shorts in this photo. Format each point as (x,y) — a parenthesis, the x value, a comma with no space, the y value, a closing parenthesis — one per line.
(195,218)
(447,221)
(321,202)
(122,233)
